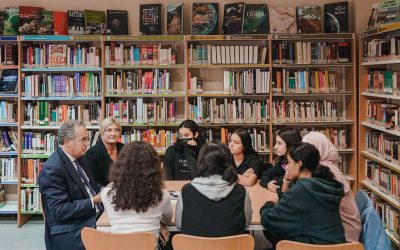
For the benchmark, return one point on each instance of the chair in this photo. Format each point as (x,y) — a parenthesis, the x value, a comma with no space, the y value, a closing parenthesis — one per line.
(237,242)
(290,245)
(97,240)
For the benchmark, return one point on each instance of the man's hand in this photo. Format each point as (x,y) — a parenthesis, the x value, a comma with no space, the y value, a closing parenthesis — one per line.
(97,199)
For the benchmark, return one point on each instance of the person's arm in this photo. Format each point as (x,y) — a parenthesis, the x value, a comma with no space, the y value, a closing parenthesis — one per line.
(167,211)
(169,164)
(248,178)
(178,211)
(248,210)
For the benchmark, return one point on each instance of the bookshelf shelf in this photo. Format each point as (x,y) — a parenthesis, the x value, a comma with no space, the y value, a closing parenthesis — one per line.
(34,156)
(350,178)
(31,212)
(317,36)
(8,38)
(11,207)
(393,97)
(381,30)
(15,182)
(29,185)
(218,66)
(172,124)
(206,124)
(339,93)
(388,198)
(346,151)
(9,153)
(192,38)
(9,66)
(380,128)
(144,66)
(28,127)
(61,69)
(11,124)
(8,95)
(147,38)
(388,164)
(61,38)
(314,123)
(382,62)
(61,98)
(392,238)
(316,65)
(167,95)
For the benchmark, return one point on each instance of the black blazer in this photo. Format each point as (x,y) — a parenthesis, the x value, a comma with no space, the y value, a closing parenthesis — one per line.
(99,161)
(67,204)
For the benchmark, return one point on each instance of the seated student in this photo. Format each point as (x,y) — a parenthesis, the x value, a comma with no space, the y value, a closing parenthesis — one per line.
(213,204)
(246,159)
(135,200)
(309,211)
(181,158)
(285,138)
(348,207)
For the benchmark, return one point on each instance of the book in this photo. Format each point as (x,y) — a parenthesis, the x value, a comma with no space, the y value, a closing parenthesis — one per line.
(95,22)
(150,19)
(309,19)
(117,22)
(336,17)
(76,22)
(255,19)
(372,16)
(205,19)
(233,18)
(60,23)
(11,21)
(282,20)
(175,19)
(46,23)
(2,19)
(387,12)
(29,20)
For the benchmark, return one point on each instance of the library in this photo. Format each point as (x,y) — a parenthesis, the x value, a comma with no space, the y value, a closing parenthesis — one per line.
(230,99)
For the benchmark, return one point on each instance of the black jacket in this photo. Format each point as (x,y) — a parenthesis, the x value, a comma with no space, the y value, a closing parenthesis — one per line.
(308,212)
(180,163)
(99,161)
(275,173)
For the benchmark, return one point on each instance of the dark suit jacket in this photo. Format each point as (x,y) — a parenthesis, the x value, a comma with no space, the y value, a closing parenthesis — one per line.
(67,204)
(99,161)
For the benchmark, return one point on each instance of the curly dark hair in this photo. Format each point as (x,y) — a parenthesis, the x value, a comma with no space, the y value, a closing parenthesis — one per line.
(137,178)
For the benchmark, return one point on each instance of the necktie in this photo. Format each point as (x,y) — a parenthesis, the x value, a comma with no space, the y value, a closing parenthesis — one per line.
(87,183)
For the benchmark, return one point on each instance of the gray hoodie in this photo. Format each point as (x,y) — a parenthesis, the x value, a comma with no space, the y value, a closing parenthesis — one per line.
(214,188)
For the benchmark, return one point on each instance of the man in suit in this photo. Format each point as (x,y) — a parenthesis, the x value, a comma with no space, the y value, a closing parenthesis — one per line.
(70,195)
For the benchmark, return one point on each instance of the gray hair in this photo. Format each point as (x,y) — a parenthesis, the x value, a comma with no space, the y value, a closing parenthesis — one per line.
(67,130)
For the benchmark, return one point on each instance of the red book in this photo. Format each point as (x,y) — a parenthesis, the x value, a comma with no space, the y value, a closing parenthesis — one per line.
(60,23)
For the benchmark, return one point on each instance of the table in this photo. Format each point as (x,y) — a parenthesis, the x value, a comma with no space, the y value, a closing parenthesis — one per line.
(258,196)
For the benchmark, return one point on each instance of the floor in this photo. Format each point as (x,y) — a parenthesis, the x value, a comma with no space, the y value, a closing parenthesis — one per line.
(31,236)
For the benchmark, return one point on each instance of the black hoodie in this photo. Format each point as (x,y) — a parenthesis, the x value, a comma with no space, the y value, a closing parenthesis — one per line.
(308,212)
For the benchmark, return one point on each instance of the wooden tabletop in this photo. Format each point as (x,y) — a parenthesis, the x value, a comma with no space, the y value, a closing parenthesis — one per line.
(258,196)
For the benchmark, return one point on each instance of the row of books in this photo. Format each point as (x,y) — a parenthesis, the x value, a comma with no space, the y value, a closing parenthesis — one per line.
(228,111)
(304,81)
(338,137)
(39,143)
(310,52)
(160,139)
(155,81)
(3,197)
(8,54)
(60,55)
(383,145)
(43,113)
(381,49)
(8,167)
(138,111)
(388,214)
(209,54)
(306,111)
(54,85)
(247,82)
(383,114)
(30,170)
(8,111)
(388,181)
(383,82)
(8,140)
(30,200)
(120,54)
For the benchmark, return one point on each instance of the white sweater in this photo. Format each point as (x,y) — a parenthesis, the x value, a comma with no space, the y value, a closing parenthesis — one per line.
(128,221)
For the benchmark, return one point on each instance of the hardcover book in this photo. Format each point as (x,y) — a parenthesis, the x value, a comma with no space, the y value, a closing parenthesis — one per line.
(336,17)
(117,22)
(29,20)
(255,19)
(282,20)
(175,19)
(150,19)
(11,22)
(46,23)
(205,19)
(60,23)
(95,22)
(372,16)
(76,22)
(233,18)
(387,12)
(2,19)
(309,19)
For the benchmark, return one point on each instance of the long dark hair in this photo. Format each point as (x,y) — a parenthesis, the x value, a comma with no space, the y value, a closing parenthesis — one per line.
(245,137)
(138,182)
(215,159)
(290,136)
(308,154)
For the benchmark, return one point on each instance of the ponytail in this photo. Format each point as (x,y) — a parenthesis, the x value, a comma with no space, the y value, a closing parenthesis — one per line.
(323,172)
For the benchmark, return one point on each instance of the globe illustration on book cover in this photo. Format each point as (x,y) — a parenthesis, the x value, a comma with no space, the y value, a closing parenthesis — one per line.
(204,19)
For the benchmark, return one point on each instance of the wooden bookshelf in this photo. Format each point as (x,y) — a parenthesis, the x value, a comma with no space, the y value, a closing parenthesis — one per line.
(376,162)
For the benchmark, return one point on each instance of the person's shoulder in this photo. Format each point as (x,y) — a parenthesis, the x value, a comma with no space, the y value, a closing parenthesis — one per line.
(171,150)
(95,150)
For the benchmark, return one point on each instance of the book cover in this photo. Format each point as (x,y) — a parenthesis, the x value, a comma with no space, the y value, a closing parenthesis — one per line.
(76,22)
(233,18)
(46,23)
(175,19)
(387,12)
(205,19)
(150,19)
(309,19)
(95,22)
(11,22)
(336,17)
(255,19)
(117,22)
(29,20)
(282,20)
(60,23)
(2,19)
(372,16)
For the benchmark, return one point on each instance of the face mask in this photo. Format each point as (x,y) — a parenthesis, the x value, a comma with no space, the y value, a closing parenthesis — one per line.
(181,143)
